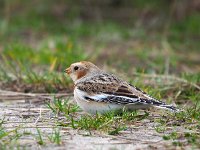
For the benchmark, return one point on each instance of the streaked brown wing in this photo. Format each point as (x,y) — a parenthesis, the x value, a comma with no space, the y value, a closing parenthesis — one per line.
(110,84)
(123,90)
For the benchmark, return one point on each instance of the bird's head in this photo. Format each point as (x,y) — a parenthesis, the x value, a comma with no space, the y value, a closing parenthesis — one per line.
(82,69)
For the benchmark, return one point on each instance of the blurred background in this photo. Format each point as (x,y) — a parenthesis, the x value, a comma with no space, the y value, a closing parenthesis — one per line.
(39,39)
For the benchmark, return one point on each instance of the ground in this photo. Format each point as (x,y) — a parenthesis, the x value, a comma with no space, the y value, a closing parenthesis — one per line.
(31,124)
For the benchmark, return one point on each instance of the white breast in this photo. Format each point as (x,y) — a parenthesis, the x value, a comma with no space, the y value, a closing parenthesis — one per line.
(92,106)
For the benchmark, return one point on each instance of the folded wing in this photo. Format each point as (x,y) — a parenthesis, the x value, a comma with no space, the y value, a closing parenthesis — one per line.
(110,89)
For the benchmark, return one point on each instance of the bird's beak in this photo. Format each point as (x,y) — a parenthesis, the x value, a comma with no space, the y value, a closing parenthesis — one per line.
(68,70)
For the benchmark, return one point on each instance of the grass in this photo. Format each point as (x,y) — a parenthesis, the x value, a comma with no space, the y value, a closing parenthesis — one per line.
(18,61)
(62,106)
(55,137)
(110,123)
(8,138)
(189,119)
(177,139)
(113,123)
(40,138)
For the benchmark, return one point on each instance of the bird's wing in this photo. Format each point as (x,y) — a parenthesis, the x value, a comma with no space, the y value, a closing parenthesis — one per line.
(110,89)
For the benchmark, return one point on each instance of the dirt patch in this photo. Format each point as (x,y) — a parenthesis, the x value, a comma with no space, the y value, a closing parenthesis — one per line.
(30,115)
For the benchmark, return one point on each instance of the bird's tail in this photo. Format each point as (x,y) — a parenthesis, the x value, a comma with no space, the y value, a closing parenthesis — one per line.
(162,105)
(168,107)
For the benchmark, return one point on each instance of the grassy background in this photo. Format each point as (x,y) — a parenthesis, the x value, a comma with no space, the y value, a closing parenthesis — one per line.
(152,44)
(157,37)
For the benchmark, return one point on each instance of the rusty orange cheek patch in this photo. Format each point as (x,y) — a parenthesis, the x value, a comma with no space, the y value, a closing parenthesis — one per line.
(80,74)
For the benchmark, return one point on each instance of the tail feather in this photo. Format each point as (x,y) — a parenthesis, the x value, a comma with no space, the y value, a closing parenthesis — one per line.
(168,107)
(160,104)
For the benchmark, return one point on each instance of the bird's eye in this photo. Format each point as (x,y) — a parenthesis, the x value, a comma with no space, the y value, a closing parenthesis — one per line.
(76,68)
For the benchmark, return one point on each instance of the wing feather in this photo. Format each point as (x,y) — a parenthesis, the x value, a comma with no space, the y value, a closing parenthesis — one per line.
(110,89)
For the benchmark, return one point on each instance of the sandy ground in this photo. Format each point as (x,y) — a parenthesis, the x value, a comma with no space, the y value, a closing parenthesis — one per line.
(28,115)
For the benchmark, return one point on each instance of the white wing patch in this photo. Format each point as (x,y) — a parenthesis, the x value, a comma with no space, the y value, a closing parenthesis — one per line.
(98,97)
(84,95)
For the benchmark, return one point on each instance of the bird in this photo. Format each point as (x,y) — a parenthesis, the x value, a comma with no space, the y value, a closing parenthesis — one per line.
(97,91)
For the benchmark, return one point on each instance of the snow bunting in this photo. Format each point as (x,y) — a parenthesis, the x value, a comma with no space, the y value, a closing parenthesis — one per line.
(98,91)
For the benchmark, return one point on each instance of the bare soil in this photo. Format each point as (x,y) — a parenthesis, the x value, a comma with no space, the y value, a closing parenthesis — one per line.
(28,112)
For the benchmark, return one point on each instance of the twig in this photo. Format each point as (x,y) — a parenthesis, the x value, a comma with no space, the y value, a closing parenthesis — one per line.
(40,116)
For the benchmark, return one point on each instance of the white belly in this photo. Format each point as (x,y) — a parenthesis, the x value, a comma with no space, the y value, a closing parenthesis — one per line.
(102,107)
(94,107)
